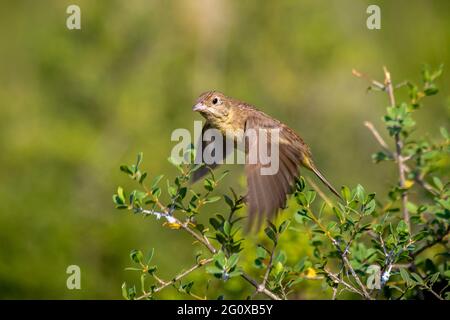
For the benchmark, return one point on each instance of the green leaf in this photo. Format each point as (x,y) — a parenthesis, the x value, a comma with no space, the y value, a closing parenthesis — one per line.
(380,156)
(438,183)
(182,192)
(369,207)
(331,225)
(132,196)
(300,184)
(227,228)
(121,194)
(150,255)
(436,74)
(208,184)
(171,190)
(402,229)
(420,235)
(119,202)
(229,201)
(132,293)
(370,197)
(187,287)
(156,192)
(125,291)
(447,274)
(444,133)
(345,191)
(360,193)
(139,159)
(301,199)
(211,199)
(431,89)
(339,214)
(232,260)
(126,169)
(411,207)
(284,226)
(405,276)
(261,252)
(378,228)
(152,269)
(310,196)
(220,259)
(235,273)
(301,214)
(215,223)
(222,175)
(271,234)
(434,278)
(156,180)
(417,278)
(136,256)
(214,270)
(281,257)
(142,178)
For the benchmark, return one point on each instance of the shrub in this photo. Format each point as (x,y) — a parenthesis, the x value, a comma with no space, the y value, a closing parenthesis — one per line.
(363,246)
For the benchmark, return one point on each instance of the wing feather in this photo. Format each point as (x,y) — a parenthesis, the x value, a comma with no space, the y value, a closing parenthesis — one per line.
(267,194)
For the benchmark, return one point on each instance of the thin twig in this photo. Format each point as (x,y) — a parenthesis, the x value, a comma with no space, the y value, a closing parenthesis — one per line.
(375,83)
(378,137)
(200,264)
(398,151)
(269,265)
(434,293)
(352,238)
(385,147)
(253,282)
(334,294)
(336,279)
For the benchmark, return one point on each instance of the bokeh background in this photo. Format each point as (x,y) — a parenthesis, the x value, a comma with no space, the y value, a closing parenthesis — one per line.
(74,105)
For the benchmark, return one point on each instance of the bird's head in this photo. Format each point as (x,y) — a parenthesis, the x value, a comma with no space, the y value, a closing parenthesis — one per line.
(214,106)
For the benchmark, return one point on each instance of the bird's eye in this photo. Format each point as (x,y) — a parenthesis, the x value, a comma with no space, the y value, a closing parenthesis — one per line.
(215,100)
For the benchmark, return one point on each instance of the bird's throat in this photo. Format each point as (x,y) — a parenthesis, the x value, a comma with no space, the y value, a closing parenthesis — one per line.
(225,124)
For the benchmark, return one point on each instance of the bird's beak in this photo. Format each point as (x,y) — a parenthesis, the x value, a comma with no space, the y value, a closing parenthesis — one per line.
(199,107)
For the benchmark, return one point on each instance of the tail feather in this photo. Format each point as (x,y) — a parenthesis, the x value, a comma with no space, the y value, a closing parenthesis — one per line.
(325,181)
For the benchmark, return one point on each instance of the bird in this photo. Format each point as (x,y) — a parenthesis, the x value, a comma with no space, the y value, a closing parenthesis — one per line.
(266,194)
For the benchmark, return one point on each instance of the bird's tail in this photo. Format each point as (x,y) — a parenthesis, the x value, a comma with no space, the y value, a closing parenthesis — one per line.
(325,181)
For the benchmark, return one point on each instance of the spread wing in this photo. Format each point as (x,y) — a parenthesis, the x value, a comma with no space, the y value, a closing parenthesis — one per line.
(200,148)
(267,193)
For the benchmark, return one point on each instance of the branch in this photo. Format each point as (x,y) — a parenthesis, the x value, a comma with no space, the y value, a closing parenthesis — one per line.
(398,150)
(264,290)
(205,242)
(343,256)
(336,279)
(262,286)
(389,89)
(165,284)
(385,147)
(378,137)
(373,82)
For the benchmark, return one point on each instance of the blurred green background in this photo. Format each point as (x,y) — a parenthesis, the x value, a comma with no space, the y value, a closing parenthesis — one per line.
(74,105)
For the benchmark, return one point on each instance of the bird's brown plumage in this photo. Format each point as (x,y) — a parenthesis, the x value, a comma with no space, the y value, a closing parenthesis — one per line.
(267,194)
